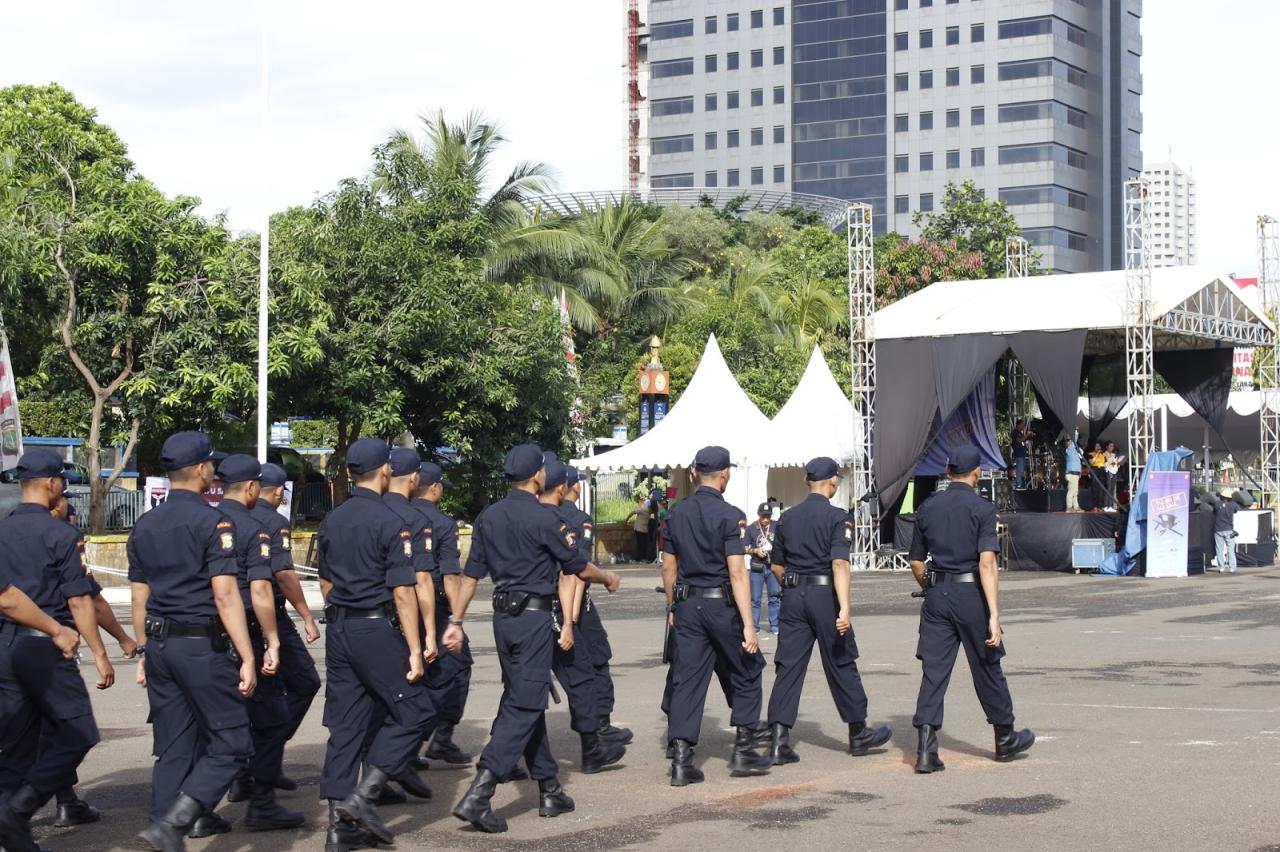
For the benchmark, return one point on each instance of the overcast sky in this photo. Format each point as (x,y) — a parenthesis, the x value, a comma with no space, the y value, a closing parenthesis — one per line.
(181,83)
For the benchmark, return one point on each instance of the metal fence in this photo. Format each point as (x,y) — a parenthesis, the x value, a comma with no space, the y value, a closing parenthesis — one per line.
(313,501)
(121,511)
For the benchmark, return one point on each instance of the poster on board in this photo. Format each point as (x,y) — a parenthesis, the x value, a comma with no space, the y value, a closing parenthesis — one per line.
(1168,510)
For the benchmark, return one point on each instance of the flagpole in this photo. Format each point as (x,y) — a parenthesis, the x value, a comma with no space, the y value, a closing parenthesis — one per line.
(264,249)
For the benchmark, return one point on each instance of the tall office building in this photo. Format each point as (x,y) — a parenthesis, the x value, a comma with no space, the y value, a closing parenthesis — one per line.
(1173,215)
(886,101)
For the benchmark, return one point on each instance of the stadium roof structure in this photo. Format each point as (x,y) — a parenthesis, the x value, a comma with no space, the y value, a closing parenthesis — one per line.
(832,211)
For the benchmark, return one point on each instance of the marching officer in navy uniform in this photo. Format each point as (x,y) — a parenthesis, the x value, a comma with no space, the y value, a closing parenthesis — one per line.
(449,676)
(199,666)
(709,598)
(241,477)
(366,568)
(587,617)
(572,665)
(811,561)
(961,607)
(297,671)
(47,726)
(524,548)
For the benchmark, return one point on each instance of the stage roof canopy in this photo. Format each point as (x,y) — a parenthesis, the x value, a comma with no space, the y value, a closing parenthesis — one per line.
(816,421)
(1190,302)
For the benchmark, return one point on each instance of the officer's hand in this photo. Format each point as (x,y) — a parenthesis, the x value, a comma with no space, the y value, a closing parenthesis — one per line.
(248,678)
(453,638)
(566,637)
(140,676)
(129,648)
(67,641)
(271,660)
(415,669)
(996,635)
(671,619)
(311,630)
(612,581)
(843,624)
(106,672)
(750,643)
(430,652)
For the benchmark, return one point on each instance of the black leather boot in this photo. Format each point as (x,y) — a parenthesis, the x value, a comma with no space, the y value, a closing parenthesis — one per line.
(671,749)
(359,807)
(284,782)
(413,784)
(683,772)
(597,754)
(745,761)
(611,734)
(266,814)
(552,799)
(208,825)
(927,759)
(390,795)
(420,763)
(169,832)
(474,805)
(344,835)
(761,735)
(1010,743)
(517,774)
(442,747)
(780,750)
(862,738)
(76,812)
(15,819)
(241,787)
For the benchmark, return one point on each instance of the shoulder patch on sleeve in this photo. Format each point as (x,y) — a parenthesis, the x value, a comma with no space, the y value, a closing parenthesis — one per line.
(571,538)
(408,548)
(224,525)
(848,530)
(586,531)
(426,537)
(742,528)
(227,541)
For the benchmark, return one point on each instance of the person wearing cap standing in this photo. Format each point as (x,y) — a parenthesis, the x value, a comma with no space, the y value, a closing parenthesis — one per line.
(297,670)
(572,665)
(961,607)
(586,618)
(47,726)
(366,568)
(709,601)
(186,600)
(448,677)
(241,477)
(811,561)
(759,545)
(524,548)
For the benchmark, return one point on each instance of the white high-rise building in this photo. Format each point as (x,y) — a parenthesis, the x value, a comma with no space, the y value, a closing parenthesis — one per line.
(1173,215)
(886,101)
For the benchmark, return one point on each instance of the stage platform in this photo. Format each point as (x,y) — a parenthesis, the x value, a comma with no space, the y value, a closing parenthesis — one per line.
(1036,541)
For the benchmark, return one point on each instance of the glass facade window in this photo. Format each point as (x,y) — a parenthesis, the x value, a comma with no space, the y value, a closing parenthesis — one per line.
(901,164)
(900,82)
(779,134)
(731,177)
(1018,196)
(670,106)
(671,144)
(731,60)
(757,58)
(1041,26)
(779,94)
(757,97)
(779,55)
(926,120)
(709,102)
(900,123)
(926,79)
(731,22)
(757,18)
(1056,238)
(977,33)
(925,4)
(731,100)
(1044,152)
(953,76)
(779,15)
(926,202)
(711,141)
(684,179)
(977,74)
(901,41)
(953,159)
(901,204)
(977,116)
(1042,111)
(978,157)
(709,63)
(757,136)
(709,179)
(779,174)
(926,162)
(1028,69)
(900,5)
(671,29)
(709,27)
(953,35)
(757,175)
(953,118)
(671,68)
(926,38)
(731,139)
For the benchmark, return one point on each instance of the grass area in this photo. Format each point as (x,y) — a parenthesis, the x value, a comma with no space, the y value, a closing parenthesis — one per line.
(613,509)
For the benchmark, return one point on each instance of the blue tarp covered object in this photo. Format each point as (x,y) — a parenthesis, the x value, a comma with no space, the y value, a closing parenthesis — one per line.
(1135,539)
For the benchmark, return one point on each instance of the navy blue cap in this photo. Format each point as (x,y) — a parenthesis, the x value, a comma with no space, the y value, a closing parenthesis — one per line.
(273,475)
(764,509)
(183,449)
(964,459)
(823,467)
(367,455)
(38,463)
(574,476)
(404,461)
(431,474)
(239,468)
(711,459)
(557,474)
(522,462)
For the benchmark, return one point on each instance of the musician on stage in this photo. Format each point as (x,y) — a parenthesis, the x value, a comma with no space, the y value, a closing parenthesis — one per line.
(1021,438)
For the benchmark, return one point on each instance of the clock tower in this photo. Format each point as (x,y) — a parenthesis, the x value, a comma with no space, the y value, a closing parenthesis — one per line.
(655,386)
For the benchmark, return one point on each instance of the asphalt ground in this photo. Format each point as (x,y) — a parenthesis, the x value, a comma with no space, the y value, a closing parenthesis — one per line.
(1156,704)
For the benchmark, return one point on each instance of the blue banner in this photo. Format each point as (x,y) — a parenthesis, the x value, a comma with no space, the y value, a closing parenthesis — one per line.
(973,422)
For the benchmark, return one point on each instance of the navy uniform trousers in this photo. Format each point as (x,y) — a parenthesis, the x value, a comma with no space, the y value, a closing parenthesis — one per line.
(526,644)
(591,631)
(955,614)
(365,664)
(809,617)
(576,672)
(268,714)
(199,721)
(297,671)
(449,677)
(709,631)
(46,720)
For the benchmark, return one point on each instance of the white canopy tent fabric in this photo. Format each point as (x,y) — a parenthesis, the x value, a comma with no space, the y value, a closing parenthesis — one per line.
(713,410)
(1178,424)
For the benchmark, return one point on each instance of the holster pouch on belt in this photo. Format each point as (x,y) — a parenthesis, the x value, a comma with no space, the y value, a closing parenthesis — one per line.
(511,603)
(681,592)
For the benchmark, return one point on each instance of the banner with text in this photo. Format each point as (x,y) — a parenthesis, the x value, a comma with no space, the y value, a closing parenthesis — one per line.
(1168,508)
(10,425)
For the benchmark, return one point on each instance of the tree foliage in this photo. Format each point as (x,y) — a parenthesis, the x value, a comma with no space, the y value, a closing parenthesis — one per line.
(974,223)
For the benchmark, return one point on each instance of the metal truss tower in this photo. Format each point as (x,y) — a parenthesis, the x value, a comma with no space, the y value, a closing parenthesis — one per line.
(1017,255)
(1265,358)
(1138,329)
(862,360)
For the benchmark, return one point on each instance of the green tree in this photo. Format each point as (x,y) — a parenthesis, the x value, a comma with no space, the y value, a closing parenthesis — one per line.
(974,223)
(904,266)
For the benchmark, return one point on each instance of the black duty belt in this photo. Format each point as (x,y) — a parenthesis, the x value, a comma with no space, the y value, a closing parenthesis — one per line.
(334,612)
(541,604)
(158,627)
(940,577)
(21,630)
(790,581)
(703,592)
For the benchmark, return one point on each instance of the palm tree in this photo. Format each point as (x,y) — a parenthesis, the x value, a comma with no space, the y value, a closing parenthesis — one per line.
(803,310)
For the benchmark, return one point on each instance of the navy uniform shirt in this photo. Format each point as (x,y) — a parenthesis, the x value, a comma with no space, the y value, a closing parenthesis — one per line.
(444,539)
(756,534)
(420,532)
(702,532)
(523,546)
(44,557)
(582,525)
(365,551)
(253,549)
(176,549)
(955,526)
(811,535)
(277,526)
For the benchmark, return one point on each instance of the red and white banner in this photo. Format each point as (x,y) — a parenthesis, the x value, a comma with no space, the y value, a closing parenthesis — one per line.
(1242,369)
(10,425)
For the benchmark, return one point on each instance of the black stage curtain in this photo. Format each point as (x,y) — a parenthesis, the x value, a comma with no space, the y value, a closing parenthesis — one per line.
(959,363)
(906,400)
(1043,542)
(1202,377)
(1108,391)
(1052,359)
